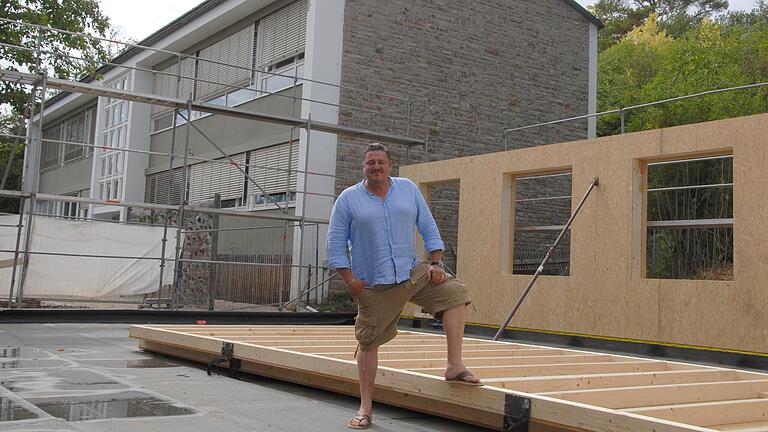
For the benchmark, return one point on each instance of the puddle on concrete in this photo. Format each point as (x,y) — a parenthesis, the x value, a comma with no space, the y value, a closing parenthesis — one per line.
(32,363)
(9,411)
(119,405)
(148,363)
(57,380)
(22,352)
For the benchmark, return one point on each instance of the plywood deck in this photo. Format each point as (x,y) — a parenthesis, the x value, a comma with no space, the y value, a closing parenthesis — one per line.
(569,389)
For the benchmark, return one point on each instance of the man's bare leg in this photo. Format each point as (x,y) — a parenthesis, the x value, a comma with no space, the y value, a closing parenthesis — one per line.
(453,324)
(367,364)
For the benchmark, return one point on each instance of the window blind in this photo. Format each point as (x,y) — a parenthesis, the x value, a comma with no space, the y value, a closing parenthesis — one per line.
(273,181)
(282,34)
(210,178)
(157,185)
(164,84)
(236,50)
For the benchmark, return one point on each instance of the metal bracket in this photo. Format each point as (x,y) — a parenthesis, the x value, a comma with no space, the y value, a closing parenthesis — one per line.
(517,413)
(227,356)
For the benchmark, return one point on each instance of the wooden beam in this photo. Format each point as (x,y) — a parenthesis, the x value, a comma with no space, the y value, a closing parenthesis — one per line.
(555,369)
(509,360)
(667,394)
(709,413)
(760,426)
(541,384)
(424,388)
(399,355)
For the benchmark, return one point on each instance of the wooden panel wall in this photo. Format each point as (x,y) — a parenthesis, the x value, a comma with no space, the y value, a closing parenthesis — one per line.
(607,293)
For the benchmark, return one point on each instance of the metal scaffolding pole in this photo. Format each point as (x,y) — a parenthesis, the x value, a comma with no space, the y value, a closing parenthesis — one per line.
(35,186)
(205,107)
(180,220)
(303,213)
(16,251)
(170,181)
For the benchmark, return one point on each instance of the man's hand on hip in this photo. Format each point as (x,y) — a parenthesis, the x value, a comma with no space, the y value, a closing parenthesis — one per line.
(356,286)
(436,275)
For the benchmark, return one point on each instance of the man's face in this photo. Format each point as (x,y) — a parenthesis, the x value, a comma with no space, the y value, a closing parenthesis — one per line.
(376,166)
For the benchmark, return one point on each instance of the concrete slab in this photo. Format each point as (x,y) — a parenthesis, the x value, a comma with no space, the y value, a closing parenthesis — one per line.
(97,363)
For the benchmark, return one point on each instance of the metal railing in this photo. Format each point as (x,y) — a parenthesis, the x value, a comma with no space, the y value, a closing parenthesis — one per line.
(622,111)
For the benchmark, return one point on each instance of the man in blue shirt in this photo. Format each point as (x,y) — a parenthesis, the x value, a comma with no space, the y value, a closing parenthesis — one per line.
(376,218)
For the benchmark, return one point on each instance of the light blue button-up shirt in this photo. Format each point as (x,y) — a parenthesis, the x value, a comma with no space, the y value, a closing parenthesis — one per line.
(380,232)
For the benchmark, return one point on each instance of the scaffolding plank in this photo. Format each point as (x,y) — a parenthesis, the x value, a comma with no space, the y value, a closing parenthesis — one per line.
(568,389)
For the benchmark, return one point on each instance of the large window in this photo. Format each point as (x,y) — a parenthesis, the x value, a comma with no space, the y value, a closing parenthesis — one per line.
(690,219)
(162,188)
(542,208)
(61,139)
(65,210)
(224,73)
(114,138)
(268,167)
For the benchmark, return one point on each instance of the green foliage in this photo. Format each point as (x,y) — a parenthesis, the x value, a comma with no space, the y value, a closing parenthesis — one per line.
(650,65)
(82,16)
(675,16)
(9,125)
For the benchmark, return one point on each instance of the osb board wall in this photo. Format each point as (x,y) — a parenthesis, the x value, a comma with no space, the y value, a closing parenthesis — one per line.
(607,293)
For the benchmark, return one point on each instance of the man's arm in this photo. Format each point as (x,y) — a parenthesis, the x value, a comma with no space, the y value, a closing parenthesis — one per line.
(336,247)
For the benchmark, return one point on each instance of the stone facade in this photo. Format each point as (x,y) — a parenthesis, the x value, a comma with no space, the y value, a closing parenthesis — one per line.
(470,70)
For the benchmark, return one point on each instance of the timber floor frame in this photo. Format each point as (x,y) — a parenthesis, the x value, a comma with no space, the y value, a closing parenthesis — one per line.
(569,390)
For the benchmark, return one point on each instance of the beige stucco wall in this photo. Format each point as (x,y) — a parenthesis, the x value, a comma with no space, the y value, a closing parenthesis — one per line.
(607,293)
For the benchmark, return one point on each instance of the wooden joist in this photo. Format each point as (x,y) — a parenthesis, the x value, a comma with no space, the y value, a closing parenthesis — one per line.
(568,389)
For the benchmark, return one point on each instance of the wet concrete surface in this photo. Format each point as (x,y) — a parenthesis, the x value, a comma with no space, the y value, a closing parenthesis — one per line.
(92,377)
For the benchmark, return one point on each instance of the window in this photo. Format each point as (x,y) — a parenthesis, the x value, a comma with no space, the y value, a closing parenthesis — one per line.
(268,168)
(260,199)
(690,219)
(280,75)
(220,177)
(114,138)
(161,188)
(274,44)
(62,209)
(282,34)
(444,204)
(61,139)
(542,208)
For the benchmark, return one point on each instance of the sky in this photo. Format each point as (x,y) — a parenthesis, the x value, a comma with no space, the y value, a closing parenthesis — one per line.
(138,19)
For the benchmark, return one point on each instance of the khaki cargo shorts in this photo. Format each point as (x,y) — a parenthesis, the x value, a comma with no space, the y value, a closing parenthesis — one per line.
(379,307)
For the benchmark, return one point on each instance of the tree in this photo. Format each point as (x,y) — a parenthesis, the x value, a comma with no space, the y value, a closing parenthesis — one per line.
(80,16)
(9,125)
(674,16)
(649,65)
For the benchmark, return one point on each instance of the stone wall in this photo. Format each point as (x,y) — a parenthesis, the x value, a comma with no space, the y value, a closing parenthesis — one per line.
(469,69)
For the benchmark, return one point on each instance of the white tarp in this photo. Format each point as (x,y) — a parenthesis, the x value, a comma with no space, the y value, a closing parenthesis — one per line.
(87,277)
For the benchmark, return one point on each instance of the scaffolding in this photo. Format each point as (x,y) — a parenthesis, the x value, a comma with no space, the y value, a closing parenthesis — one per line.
(183,106)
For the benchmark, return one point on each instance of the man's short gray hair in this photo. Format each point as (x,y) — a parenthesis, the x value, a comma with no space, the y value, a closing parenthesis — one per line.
(376,147)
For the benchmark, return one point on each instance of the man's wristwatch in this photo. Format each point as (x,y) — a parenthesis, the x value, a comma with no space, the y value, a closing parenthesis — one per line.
(438,263)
